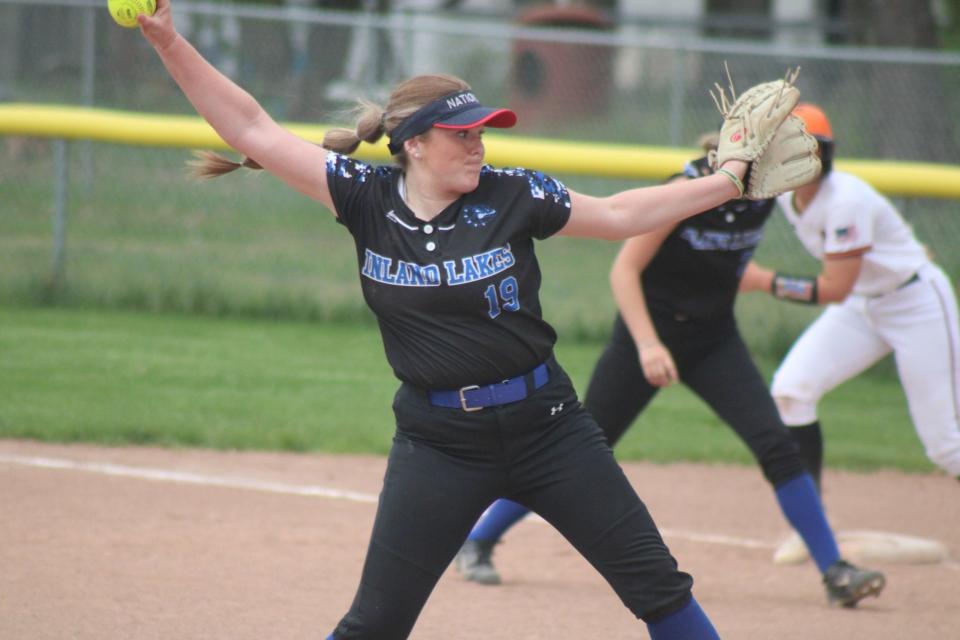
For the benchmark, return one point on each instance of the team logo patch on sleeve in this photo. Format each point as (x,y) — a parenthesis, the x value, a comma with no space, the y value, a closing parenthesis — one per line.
(478,215)
(846,234)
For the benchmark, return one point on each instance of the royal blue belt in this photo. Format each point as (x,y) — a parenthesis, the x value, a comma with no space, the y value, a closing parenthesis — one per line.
(475,397)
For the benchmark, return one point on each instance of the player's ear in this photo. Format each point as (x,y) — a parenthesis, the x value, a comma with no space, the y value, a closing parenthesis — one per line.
(412,147)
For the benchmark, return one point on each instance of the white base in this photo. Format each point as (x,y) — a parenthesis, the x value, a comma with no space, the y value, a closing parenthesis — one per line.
(869,546)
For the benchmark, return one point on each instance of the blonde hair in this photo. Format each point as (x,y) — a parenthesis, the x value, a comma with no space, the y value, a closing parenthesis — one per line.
(372,122)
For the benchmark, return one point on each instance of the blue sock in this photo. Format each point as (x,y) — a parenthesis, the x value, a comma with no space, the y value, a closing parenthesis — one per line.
(502,515)
(801,504)
(689,623)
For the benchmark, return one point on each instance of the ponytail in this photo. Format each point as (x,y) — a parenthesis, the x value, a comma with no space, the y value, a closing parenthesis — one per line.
(369,128)
(212,165)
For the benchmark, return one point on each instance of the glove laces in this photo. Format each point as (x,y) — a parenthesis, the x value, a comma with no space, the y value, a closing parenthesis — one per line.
(725,105)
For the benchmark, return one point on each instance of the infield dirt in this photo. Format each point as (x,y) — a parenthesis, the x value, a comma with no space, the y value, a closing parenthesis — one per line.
(141,543)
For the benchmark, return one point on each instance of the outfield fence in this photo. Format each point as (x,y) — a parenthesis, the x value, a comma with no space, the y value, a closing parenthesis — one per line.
(634,83)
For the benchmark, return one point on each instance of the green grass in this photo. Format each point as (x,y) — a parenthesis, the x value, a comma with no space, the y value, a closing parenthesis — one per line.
(120,377)
(141,378)
(281,352)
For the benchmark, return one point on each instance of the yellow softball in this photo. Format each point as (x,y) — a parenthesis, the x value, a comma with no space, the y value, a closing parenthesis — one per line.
(125,12)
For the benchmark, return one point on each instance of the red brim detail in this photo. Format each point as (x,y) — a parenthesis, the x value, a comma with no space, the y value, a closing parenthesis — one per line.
(500,119)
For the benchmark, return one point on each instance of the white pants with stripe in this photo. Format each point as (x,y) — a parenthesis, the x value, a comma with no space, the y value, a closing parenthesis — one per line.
(919,324)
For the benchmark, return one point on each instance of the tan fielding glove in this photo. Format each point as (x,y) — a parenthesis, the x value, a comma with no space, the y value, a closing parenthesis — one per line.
(751,121)
(790,161)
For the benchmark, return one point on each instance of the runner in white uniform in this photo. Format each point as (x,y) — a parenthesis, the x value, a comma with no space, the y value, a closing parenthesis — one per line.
(883,294)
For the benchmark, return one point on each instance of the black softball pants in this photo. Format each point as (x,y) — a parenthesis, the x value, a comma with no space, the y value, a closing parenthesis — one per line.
(547,453)
(715,364)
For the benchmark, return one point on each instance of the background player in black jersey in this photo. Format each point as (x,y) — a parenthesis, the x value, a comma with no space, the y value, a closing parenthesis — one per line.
(445,248)
(675,288)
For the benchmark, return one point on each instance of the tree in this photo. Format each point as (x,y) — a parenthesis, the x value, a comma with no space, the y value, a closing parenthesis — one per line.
(950,34)
(748,19)
(891,23)
(909,103)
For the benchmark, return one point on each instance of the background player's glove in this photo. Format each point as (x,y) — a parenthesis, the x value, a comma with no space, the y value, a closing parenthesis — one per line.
(790,161)
(751,121)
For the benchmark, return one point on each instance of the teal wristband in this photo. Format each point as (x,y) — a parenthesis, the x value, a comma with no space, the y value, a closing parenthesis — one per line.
(735,179)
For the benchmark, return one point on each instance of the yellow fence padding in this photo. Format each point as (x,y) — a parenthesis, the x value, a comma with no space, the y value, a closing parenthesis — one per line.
(912,179)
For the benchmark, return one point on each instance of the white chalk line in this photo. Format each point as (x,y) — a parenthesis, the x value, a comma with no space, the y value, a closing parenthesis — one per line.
(182,477)
(709,538)
(315,491)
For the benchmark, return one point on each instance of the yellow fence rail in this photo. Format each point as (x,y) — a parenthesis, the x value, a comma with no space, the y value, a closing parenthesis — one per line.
(907,179)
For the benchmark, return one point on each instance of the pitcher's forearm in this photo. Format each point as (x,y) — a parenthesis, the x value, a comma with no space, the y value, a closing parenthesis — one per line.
(645,209)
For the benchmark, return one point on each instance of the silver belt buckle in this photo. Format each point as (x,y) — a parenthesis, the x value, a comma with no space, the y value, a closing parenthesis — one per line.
(463,400)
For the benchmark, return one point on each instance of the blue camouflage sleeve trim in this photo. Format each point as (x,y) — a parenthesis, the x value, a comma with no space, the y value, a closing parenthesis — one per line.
(344,167)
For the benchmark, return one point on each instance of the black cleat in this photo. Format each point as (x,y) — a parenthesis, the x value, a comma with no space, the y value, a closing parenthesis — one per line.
(847,585)
(475,562)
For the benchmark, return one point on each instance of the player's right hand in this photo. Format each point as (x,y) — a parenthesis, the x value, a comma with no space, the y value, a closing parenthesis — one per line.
(658,366)
(158,29)
(756,278)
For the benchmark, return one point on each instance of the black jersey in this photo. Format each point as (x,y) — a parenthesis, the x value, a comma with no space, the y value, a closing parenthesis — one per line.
(457,298)
(696,272)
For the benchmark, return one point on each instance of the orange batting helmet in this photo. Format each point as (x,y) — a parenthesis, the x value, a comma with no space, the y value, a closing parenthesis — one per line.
(815,120)
(818,125)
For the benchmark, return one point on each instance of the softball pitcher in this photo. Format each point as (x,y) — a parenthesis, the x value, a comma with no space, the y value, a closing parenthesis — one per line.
(446,259)
(883,294)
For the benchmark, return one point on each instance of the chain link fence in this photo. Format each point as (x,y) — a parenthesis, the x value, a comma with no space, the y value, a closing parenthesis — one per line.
(570,73)
(140,235)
